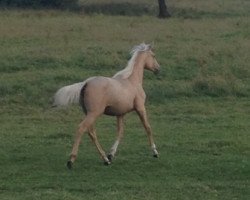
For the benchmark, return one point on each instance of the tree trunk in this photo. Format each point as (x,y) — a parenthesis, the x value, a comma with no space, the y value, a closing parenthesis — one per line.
(163,12)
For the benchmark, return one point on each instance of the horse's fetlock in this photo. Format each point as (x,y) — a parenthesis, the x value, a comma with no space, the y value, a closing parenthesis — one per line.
(73,157)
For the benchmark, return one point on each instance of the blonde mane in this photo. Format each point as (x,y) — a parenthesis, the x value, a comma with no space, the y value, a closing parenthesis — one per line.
(127,71)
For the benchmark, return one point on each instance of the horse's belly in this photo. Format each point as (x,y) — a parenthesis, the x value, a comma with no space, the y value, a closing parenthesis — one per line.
(110,110)
(118,108)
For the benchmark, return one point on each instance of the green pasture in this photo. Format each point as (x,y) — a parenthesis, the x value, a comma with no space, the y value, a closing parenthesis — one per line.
(198,107)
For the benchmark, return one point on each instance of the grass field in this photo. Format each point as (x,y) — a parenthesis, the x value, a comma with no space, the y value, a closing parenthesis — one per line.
(199,106)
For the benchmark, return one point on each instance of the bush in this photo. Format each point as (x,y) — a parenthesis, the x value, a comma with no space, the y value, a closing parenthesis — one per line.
(39,3)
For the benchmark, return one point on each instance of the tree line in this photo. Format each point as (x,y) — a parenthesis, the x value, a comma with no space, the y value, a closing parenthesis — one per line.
(38,3)
(163,11)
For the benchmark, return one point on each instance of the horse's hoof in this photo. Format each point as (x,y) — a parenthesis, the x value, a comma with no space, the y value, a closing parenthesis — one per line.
(69,164)
(156,156)
(110,157)
(107,163)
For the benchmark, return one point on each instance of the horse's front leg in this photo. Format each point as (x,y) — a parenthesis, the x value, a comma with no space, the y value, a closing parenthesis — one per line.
(143,116)
(120,131)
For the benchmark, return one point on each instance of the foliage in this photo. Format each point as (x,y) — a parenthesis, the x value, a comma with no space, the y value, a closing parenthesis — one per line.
(39,3)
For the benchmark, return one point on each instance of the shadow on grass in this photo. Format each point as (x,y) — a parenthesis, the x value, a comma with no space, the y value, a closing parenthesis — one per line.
(114,9)
(138,9)
(124,9)
(128,9)
(191,13)
(134,9)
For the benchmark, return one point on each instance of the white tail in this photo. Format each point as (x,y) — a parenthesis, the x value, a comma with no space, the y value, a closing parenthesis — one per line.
(69,94)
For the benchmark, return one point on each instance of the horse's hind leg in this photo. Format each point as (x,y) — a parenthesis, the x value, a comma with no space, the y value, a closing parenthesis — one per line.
(118,139)
(83,127)
(93,137)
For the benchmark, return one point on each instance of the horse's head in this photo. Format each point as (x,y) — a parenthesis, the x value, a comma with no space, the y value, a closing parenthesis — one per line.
(150,61)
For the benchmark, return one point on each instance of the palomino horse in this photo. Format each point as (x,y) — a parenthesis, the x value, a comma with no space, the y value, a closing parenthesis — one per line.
(114,96)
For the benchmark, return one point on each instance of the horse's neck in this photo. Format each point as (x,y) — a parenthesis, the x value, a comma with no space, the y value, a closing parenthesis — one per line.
(136,76)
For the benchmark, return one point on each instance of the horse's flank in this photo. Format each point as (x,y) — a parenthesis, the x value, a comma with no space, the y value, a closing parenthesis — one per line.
(109,96)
